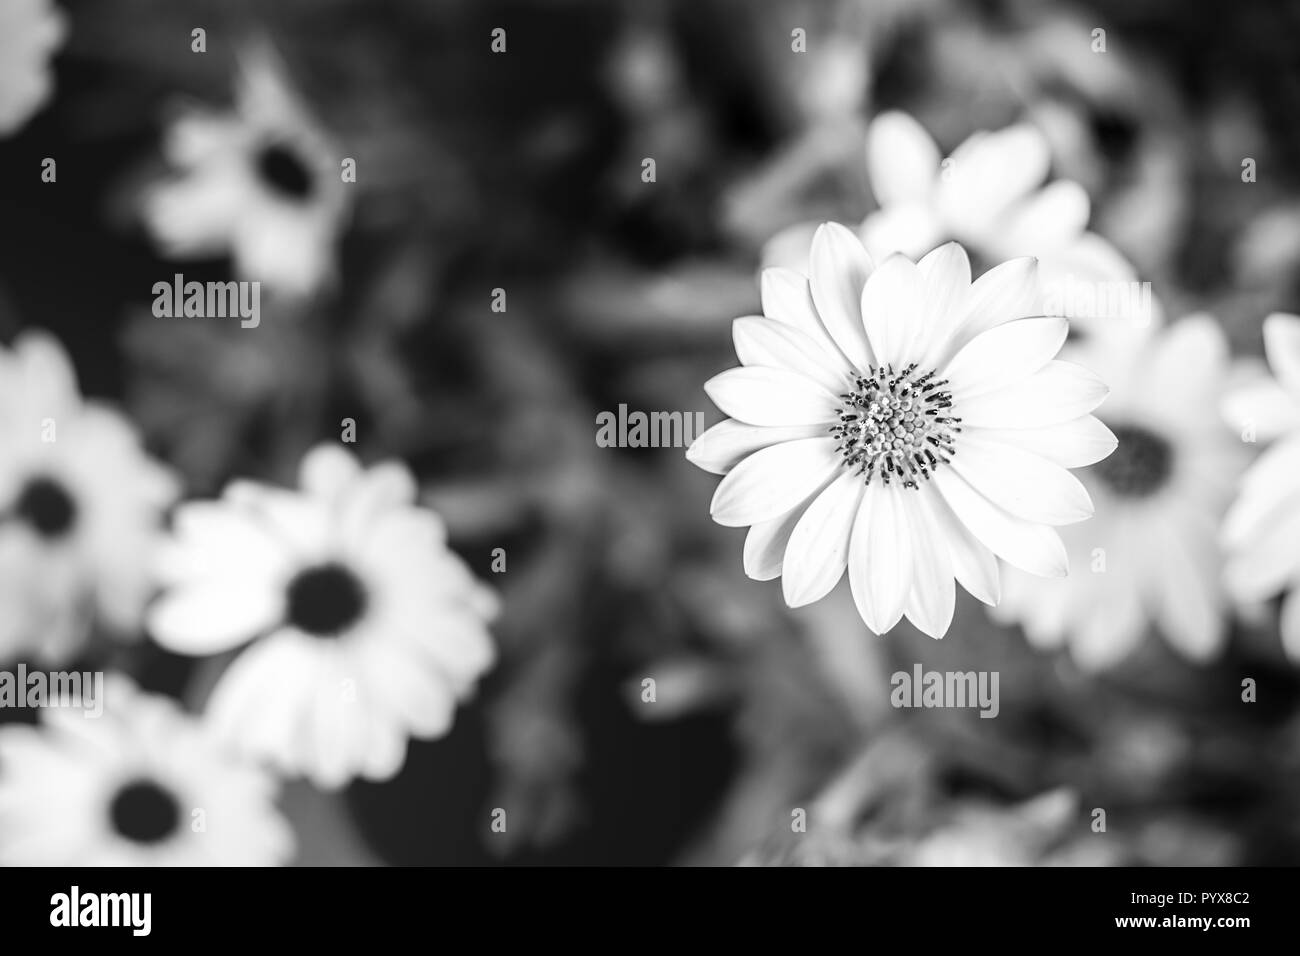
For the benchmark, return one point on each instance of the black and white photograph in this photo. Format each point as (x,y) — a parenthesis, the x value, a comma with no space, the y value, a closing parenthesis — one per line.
(651,433)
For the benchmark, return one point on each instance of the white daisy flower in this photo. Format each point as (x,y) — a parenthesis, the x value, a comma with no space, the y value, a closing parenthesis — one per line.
(1263,524)
(30,32)
(1151,555)
(81,508)
(141,785)
(989,196)
(903,422)
(261,183)
(368,629)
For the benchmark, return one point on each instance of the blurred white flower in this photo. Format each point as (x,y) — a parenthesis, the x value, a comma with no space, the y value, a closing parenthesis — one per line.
(1262,528)
(903,422)
(1151,555)
(261,183)
(30,32)
(141,785)
(369,629)
(81,508)
(989,196)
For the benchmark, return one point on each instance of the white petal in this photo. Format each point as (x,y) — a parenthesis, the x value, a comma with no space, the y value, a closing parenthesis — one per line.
(788,249)
(213,540)
(1021,483)
(1262,407)
(47,378)
(773,480)
(1186,367)
(819,546)
(945,273)
(457,643)
(194,215)
(1112,627)
(973,564)
(719,448)
(990,172)
(902,159)
(1083,441)
(766,541)
(1189,608)
(1268,489)
(1269,562)
(261,704)
(327,471)
(840,267)
(880,557)
(771,344)
(385,486)
(1032,547)
(787,297)
(1007,291)
(300,524)
(934,593)
(1059,392)
(1057,211)
(209,618)
(769,396)
(1282,346)
(891,310)
(1004,355)
(910,228)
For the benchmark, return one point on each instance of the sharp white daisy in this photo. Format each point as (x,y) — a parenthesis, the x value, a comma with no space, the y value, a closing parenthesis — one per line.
(81,508)
(368,628)
(261,183)
(989,196)
(1262,527)
(1151,554)
(902,422)
(30,32)
(141,785)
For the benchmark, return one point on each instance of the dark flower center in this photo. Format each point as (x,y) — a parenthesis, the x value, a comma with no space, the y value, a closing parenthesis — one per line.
(325,600)
(285,172)
(1140,465)
(896,425)
(46,505)
(144,811)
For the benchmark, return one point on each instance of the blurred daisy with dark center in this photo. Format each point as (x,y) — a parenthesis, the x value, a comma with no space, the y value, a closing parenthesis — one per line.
(262,184)
(366,628)
(142,785)
(81,507)
(904,423)
(990,196)
(1262,529)
(30,32)
(1150,556)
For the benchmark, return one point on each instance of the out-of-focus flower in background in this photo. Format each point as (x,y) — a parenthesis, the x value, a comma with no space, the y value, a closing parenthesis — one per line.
(1149,556)
(368,628)
(903,422)
(82,507)
(261,182)
(989,196)
(1263,525)
(30,32)
(141,784)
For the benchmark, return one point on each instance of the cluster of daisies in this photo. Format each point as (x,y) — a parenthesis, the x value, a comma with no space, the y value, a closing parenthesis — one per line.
(347,626)
(351,625)
(895,418)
